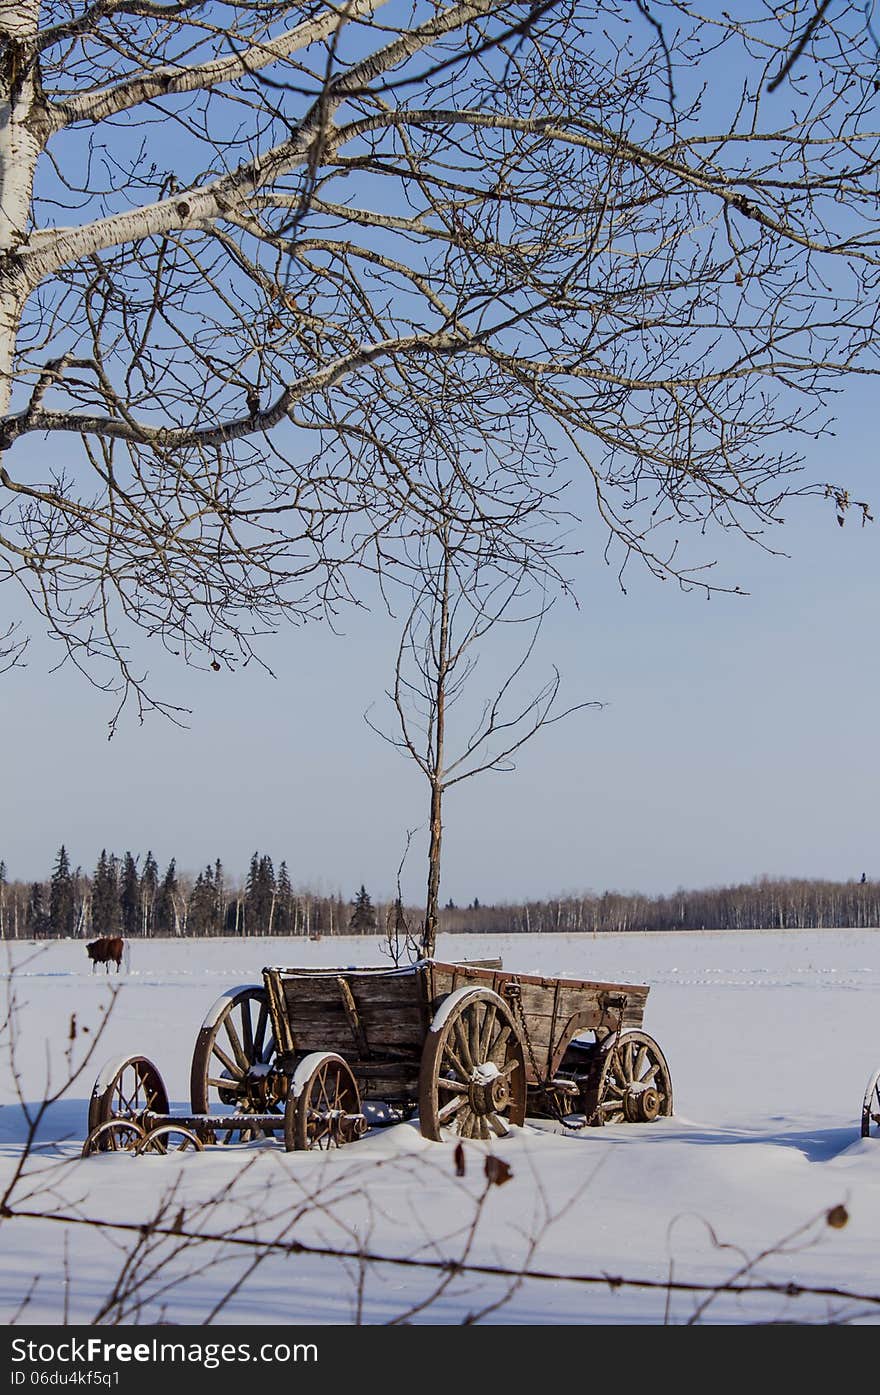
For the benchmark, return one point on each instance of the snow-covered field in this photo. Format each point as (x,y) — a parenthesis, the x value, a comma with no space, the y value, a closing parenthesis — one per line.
(770,1038)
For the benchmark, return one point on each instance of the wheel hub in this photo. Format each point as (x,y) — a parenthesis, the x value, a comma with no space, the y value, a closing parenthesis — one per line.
(641,1106)
(262,1089)
(489,1090)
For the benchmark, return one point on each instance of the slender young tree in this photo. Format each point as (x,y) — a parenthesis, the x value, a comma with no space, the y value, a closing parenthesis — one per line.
(460,599)
(363,917)
(619,241)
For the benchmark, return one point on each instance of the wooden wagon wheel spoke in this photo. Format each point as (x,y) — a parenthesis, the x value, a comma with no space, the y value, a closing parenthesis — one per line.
(498,1048)
(247,1029)
(497,1126)
(475,1032)
(464,1124)
(464,1047)
(458,1086)
(241,1056)
(452,1062)
(472,1079)
(446,1111)
(483,1050)
(260,1044)
(612,1112)
(233,1067)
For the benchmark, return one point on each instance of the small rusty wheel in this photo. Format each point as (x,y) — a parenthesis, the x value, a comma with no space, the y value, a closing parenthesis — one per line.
(871,1108)
(233,1065)
(126,1089)
(113,1136)
(631,1082)
(170,1138)
(472,1079)
(323,1104)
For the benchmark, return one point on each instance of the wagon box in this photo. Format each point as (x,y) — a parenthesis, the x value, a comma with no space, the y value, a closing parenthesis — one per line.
(469,1046)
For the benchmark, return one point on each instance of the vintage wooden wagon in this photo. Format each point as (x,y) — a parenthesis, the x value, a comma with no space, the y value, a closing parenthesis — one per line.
(315,1056)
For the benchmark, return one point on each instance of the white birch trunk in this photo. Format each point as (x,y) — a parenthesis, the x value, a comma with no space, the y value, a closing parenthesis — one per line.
(24,128)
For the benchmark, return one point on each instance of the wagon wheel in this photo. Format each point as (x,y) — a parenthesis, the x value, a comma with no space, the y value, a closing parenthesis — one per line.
(472,1079)
(170,1138)
(871,1108)
(113,1136)
(631,1082)
(233,1063)
(323,1104)
(125,1089)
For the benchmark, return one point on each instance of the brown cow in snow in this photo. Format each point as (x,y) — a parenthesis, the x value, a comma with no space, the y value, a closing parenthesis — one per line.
(104,950)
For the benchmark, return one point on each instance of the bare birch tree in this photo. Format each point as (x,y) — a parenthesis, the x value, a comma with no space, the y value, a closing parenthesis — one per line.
(254,254)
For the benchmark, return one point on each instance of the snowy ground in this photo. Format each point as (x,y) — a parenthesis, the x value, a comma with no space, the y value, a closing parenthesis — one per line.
(770,1038)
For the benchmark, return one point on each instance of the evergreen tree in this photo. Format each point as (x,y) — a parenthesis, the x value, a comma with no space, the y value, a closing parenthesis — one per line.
(106,913)
(62,910)
(283,922)
(149,890)
(219,899)
(202,908)
(167,903)
(37,920)
(260,896)
(130,897)
(363,917)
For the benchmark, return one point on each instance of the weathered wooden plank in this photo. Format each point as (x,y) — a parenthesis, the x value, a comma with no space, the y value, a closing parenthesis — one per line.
(306,1017)
(336,1035)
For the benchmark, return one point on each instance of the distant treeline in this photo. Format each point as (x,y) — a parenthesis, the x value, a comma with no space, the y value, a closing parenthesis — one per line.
(129,896)
(760,905)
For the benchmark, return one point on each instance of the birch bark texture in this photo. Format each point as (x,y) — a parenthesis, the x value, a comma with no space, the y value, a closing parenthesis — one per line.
(273,275)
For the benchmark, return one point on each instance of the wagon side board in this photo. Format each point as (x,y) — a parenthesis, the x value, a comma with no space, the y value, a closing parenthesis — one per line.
(377,1019)
(554,1010)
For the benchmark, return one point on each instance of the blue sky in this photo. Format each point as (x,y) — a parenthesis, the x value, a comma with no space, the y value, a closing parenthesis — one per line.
(738,737)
